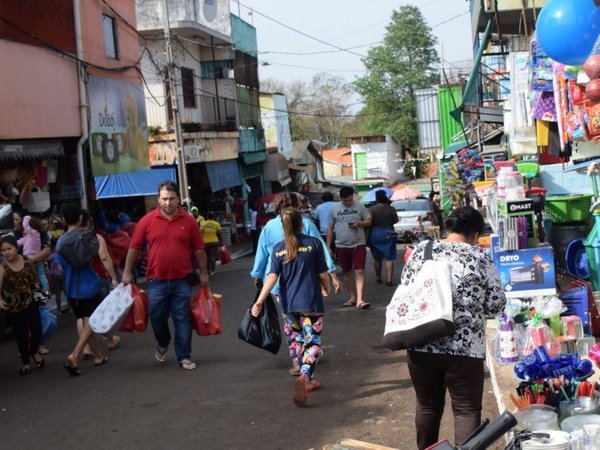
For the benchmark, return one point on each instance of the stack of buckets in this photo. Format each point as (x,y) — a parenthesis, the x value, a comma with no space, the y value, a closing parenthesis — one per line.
(592,252)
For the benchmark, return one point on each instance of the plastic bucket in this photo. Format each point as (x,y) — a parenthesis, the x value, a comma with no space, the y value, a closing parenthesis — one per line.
(562,235)
(569,208)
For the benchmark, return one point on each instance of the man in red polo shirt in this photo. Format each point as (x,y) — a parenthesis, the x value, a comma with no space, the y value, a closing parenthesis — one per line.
(174,240)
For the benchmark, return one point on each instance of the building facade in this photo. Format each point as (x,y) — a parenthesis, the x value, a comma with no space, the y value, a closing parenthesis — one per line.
(71,104)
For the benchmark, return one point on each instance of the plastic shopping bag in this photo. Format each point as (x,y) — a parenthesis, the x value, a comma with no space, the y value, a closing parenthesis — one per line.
(205,310)
(109,315)
(224,255)
(263,331)
(137,317)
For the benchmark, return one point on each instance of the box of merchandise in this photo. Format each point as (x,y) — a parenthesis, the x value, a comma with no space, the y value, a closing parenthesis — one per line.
(515,207)
(527,272)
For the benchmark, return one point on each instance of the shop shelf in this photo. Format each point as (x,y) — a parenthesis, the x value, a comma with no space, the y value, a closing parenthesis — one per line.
(569,208)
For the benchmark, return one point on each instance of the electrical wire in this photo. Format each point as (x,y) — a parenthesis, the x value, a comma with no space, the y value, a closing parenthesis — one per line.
(254,11)
(317,53)
(68,55)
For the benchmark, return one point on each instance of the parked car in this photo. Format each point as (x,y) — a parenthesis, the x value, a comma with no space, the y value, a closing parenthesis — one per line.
(414,217)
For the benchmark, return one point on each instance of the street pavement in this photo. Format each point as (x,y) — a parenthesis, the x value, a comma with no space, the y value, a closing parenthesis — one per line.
(240,397)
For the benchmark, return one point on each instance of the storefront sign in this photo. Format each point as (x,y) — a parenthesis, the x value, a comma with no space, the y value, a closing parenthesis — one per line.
(118,129)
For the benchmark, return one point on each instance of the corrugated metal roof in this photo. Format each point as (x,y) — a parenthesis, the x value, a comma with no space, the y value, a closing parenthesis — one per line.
(428,120)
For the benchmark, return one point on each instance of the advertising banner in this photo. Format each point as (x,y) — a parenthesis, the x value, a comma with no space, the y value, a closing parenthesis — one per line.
(118,129)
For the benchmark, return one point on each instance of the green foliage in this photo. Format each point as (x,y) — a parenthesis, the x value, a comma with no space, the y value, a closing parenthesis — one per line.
(402,64)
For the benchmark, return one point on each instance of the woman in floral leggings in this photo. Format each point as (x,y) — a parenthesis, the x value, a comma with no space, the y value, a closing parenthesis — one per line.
(298,263)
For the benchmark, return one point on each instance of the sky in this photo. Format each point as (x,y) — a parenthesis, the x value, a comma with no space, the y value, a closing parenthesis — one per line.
(354,25)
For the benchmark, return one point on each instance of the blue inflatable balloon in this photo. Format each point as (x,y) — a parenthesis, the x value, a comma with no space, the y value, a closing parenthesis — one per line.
(567,30)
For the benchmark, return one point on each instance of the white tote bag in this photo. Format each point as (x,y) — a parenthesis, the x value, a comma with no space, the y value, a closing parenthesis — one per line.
(421,312)
(109,314)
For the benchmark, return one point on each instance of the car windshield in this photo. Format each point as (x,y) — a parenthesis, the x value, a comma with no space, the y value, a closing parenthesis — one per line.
(411,205)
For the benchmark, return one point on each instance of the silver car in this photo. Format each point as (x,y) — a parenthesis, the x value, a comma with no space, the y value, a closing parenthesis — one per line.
(414,217)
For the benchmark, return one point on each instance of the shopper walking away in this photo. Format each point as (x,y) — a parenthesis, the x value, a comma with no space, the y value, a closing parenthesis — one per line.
(273,233)
(211,234)
(104,266)
(347,221)
(298,262)
(321,217)
(455,363)
(382,239)
(174,240)
(82,286)
(18,279)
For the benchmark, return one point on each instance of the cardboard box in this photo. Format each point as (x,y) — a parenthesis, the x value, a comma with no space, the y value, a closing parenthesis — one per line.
(526,273)
(515,208)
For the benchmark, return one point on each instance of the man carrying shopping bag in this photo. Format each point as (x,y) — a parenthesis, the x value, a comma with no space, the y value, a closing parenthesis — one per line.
(174,240)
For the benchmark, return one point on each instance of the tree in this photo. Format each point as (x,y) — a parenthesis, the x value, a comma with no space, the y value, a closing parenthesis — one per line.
(318,110)
(330,97)
(402,64)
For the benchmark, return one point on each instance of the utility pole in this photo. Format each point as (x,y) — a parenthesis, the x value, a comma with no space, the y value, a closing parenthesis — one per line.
(184,192)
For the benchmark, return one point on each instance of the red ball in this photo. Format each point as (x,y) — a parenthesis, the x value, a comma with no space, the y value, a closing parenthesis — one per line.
(592,66)
(592,91)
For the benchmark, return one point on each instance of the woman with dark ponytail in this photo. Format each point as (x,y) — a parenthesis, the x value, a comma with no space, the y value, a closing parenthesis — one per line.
(456,362)
(298,262)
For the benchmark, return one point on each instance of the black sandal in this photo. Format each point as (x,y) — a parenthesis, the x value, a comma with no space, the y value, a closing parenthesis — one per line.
(39,364)
(24,370)
(73,371)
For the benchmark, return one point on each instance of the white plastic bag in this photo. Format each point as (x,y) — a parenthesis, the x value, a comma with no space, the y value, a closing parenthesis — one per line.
(107,317)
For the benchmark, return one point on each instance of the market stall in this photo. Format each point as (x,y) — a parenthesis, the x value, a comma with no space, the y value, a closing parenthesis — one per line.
(541,197)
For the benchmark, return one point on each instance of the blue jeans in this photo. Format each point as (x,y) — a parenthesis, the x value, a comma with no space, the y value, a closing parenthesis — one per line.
(171,297)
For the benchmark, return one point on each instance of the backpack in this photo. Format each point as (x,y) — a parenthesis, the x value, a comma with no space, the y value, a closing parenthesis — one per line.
(78,247)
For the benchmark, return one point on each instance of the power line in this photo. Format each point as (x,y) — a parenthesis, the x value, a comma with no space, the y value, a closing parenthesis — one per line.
(254,11)
(319,52)
(69,55)
(317,68)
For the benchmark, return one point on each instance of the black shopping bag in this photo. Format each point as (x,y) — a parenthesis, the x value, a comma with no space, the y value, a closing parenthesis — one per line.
(263,331)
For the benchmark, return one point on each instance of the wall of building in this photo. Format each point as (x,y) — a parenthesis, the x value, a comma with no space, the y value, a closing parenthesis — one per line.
(43,99)
(128,49)
(50,22)
(212,16)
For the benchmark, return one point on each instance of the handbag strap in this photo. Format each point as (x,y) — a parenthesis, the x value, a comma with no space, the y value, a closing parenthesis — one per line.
(429,250)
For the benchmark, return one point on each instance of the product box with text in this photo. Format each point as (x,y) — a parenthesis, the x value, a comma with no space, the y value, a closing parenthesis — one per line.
(527,272)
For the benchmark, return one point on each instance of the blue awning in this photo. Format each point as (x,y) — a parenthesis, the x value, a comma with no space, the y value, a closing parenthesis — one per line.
(223,174)
(132,184)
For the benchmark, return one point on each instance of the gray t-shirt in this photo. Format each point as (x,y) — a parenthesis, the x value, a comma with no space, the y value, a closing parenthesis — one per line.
(341,216)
